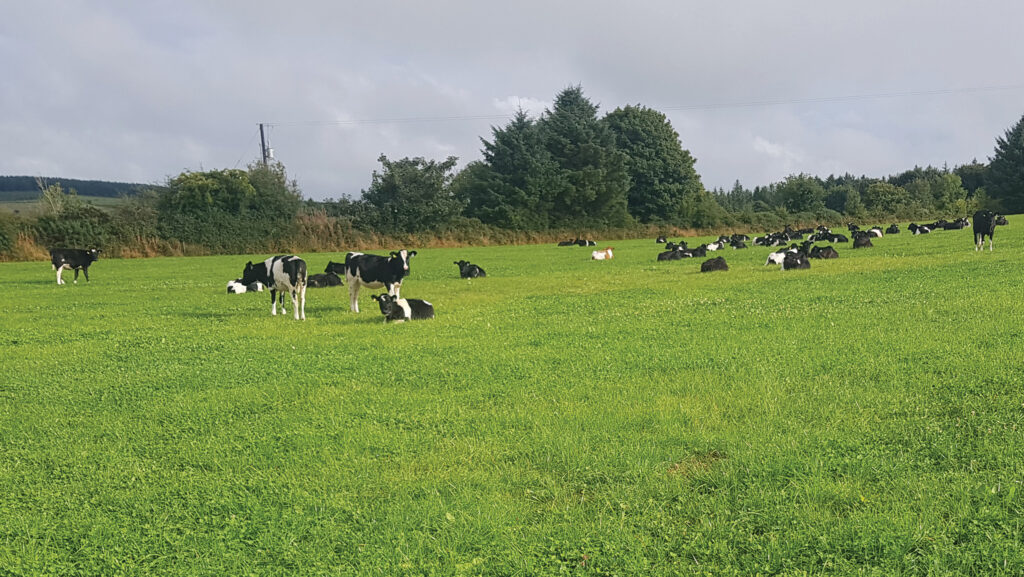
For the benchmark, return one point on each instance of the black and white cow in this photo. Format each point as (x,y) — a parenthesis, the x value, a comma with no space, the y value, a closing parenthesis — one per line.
(73,258)
(795,261)
(661,240)
(324,279)
(399,310)
(823,252)
(235,287)
(861,240)
(893,229)
(281,273)
(984,225)
(469,270)
(375,271)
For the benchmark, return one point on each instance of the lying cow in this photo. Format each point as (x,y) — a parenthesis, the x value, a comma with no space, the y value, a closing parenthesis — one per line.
(714,264)
(324,279)
(469,270)
(73,258)
(605,254)
(281,273)
(400,310)
(236,287)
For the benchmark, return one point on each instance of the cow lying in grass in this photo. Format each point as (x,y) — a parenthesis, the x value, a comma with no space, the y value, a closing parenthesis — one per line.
(400,310)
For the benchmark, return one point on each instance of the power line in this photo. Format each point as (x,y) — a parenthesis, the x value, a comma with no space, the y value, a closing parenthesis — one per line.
(705,106)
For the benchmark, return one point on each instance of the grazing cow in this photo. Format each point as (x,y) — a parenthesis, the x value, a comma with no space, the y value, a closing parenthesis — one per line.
(795,261)
(605,254)
(893,229)
(661,240)
(468,270)
(401,310)
(861,240)
(73,258)
(984,225)
(324,279)
(714,264)
(823,252)
(374,271)
(235,287)
(281,273)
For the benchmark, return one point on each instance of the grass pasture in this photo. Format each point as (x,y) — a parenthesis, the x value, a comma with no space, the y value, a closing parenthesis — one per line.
(561,416)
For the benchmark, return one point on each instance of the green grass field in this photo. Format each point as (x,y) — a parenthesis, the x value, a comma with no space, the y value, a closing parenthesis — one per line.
(30,206)
(562,416)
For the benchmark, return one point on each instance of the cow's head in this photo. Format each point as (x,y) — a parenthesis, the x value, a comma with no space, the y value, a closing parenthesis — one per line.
(386,302)
(461,263)
(94,254)
(1000,220)
(403,256)
(335,267)
(249,274)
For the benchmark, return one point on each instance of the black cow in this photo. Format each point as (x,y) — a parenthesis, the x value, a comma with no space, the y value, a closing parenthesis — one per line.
(1001,220)
(984,224)
(795,261)
(823,252)
(893,229)
(468,270)
(661,240)
(324,279)
(281,273)
(374,271)
(674,254)
(861,240)
(400,310)
(568,242)
(714,264)
(73,258)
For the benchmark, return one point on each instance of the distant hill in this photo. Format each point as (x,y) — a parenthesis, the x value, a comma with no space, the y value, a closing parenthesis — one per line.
(25,187)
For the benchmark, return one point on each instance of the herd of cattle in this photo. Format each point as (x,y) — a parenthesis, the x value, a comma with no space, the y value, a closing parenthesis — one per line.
(287,273)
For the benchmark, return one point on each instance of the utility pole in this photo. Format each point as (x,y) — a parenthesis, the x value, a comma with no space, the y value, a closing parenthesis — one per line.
(263,146)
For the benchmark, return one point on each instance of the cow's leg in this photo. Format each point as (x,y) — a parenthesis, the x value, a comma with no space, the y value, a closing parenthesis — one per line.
(353,296)
(295,301)
(85,271)
(302,300)
(273,302)
(60,269)
(989,244)
(979,240)
(76,276)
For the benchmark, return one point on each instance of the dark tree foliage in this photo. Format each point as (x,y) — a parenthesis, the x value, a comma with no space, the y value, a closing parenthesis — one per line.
(512,187)
(1004,181)
(411,195)
(661,172)
(592,183)
(27,187)
(972,176)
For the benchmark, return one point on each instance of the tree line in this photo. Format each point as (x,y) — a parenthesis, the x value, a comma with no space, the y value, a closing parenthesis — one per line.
(570,169)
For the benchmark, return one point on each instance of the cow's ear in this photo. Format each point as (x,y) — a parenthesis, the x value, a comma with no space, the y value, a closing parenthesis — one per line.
(375,297)
(412,253)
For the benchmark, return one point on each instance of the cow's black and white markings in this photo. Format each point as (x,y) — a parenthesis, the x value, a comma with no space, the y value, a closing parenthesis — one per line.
(399,310)
(236,287)
(375,271)
(469,270)
(324,279)
(73,258)
(984,225)
(281,273)
(795,261)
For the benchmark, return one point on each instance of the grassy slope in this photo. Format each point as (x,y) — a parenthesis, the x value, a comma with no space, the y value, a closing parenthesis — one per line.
(31,207)
(626,417)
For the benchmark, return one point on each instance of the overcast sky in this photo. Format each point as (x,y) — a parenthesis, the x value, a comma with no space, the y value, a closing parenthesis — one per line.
(139,91)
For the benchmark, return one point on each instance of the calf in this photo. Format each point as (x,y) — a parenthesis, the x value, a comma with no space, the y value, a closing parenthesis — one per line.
(605,254)
(714,264)
(324,279)
(984,225)
(468,270)
(374,271)
(281,273)
(236,287)
(73,258)
(400,310)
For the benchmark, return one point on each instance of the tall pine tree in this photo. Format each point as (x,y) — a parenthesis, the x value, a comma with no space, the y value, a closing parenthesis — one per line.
(1005,177)
(592,183)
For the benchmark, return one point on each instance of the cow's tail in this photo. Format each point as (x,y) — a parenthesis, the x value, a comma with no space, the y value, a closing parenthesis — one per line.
(348,264)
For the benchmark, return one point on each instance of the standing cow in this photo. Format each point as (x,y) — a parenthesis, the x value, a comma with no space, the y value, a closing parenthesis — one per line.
(73,258)
(281,273)
(374,271)
(984,225)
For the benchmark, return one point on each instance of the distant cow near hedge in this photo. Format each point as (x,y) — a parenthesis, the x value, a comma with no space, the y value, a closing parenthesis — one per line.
(73,258)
